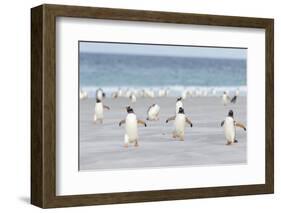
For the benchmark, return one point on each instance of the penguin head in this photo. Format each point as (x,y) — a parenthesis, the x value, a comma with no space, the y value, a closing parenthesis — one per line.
(98,100)
(181,110)
(179,99)
(230,113)
(129,109)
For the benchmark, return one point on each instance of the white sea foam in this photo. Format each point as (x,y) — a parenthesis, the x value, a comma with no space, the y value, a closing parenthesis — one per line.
(170,91)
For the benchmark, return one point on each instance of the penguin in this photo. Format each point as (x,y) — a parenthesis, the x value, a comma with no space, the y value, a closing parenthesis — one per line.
(179,104)
(114,95)
(205,92)
(225,98)
(149,93)
(128,93)
(83,95)
(131,127)
(180,123)
(214,92)
(230,128)
(237,92)
(120,92)
(153,112)
(133,98)
(184,94)
(161,93)
(100,94)
(98,115)
(167,91)
(140,93)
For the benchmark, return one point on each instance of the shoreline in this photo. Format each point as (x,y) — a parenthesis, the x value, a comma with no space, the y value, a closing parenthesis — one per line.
(101,146)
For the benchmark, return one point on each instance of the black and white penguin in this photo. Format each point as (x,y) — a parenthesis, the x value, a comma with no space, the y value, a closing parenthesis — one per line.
(230,128)
(179,104)
(98,114)
(153,112)
(225,98)
(180,123)
(133,98)
(131,127)
(100,94)
(83,95)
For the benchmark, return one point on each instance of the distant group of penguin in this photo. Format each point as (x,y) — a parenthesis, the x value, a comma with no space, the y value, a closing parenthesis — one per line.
(180,119)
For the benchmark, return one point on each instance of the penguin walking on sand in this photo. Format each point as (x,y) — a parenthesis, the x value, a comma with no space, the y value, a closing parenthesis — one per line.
(133,98)
(100,94)
(225,98)
(114,95)
(98,114)
(180,123)
(184,94)
(131,127)
(161,93)
(153,112)
(83,95)
(179,104)
(230,128)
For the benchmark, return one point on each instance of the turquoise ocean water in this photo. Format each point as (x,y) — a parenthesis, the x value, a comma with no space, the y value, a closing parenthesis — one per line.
(112,71)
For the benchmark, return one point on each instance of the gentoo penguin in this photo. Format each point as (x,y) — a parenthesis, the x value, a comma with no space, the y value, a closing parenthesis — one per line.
(229,128)
(180,124)
(153,112)
(225,98)
(128,93)
(100,94)
(114,94)
(214,92)
(131,127)
(133,98)
(98,114)
(120,92)
(179,104)
(237,92)
(184,94)
(83,95)
(161,93)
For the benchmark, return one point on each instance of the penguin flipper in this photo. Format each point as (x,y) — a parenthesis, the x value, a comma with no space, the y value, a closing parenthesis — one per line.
(171,118)
(141,122)
(238,124)
(188,121)
(121,122)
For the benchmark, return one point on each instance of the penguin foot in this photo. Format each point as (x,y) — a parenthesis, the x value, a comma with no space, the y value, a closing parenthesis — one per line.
(228,143)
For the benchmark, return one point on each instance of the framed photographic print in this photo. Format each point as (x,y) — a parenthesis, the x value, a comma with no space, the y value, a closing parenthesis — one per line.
(136,106)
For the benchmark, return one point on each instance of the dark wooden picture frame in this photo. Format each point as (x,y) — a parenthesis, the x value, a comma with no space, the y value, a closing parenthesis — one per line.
(43,105)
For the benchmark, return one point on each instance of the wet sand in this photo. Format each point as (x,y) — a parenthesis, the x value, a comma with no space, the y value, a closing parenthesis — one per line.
(102,145)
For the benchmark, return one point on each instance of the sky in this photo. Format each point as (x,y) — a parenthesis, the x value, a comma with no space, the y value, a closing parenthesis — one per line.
(163,50)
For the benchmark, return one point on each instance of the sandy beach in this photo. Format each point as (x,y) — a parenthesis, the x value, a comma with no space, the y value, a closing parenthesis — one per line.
(101,145)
